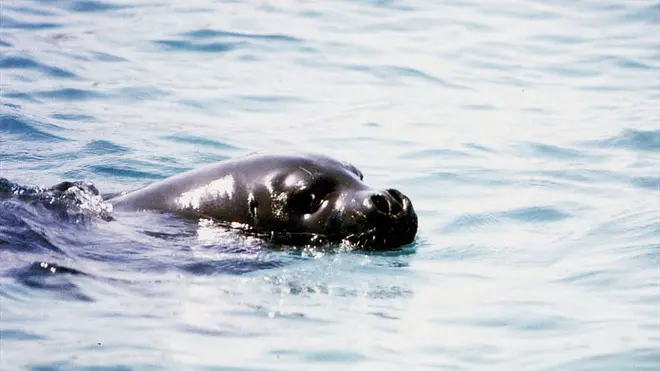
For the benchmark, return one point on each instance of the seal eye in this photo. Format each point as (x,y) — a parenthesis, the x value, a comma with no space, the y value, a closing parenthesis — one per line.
(305,202)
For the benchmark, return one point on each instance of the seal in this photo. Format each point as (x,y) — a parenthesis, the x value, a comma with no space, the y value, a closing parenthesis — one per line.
(295,199)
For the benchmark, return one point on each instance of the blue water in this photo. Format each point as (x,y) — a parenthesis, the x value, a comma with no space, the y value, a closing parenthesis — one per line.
(527,134)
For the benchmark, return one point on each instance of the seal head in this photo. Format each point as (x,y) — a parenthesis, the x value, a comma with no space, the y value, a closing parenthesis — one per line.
(291,199)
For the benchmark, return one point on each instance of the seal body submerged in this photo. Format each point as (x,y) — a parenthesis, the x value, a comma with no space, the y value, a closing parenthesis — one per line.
(300,199)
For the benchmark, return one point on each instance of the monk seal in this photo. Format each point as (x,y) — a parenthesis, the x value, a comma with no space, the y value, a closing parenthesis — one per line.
(296,199)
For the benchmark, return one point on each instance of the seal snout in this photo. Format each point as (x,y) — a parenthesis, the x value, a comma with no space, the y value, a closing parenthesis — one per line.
(398,220)
(387,220)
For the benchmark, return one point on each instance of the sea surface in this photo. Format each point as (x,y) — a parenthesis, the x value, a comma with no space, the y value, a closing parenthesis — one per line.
(526,133)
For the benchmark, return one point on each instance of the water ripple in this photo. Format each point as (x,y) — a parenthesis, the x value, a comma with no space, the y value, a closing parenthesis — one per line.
(585,176)
(90,6)
(436,153)
(70,94)
(534,214)
(27,10)
(200,47)
(14,335)
(199,141)
(616,61)
(648,14)
(53,279)
(394,73)
(547,150)
(123,172)
(26,129)
(647,182)
(7,62)
(20,235)
(229,266)
(72,117)
(104,147)
(8,22)
(634,359)
(636,140)
(134,93)
(20,96)
(209,33)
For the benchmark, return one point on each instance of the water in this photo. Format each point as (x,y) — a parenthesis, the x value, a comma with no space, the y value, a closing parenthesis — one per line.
(527,134)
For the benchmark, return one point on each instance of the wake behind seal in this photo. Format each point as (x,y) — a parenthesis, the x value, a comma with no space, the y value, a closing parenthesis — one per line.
(302,199)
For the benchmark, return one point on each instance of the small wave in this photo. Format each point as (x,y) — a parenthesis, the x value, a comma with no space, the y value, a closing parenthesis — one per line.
(8,62)
(636,140)
(554,39)
(28,10)
(13,335)
(131,168)
(198,141)
(52,278)
(572,71)
(547,150)
(526,322)
(223,333)
(633,226)
(647,14)
(525,214)
(72,117)
(104,147)
(8,22)
(584,180)
(70,94)
(394,73)
(479,147)
(209,33)
(91,6)
(436,153)
(479,107)
(647,182)
(199,47)
(270,98)
(123,172)
(71,200)
(480,177)
(229,266)
(106,57)
(633,359)
(142,93)
(19,96)
(615,61)
(536,214)
(330,357)
(284,285)
(394,5)
(593,279)
(470,222)
(19,232)
(27,129)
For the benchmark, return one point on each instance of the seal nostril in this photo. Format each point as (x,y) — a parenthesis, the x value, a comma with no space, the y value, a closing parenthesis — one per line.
(396,194)
(380,203)
(397,206)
